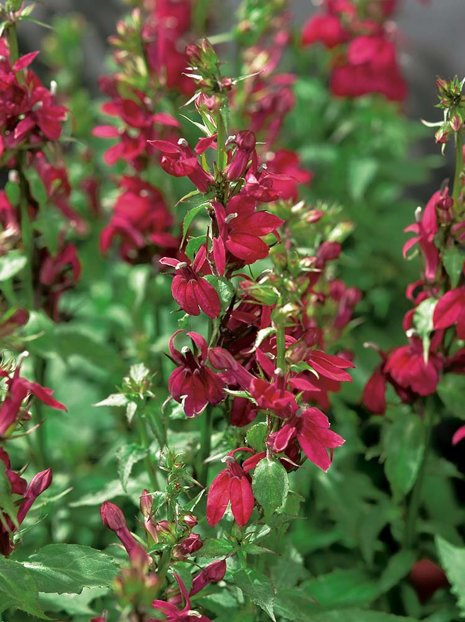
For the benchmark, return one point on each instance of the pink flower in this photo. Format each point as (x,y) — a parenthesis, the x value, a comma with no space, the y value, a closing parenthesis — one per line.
(59,274)
(286,163)
(231,486)
(190,290)
(311,429)
(192,383)
(459,435)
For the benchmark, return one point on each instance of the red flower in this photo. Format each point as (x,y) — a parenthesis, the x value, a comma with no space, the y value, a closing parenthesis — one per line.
(241,228)
(140,217)
(286,163)
(113,518)
(59,274)
(426,229)
(192,383)
(173,614)
(244,152)
(18,389)
(408,368)
(325,29)
(179,161)
(191,291)
(311,428)
(450,310)
(231,486)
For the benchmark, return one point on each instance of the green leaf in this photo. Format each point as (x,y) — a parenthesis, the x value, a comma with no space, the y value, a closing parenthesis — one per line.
(256,436)
(453,259)
(361,173)
(342,587)
(128,456)
(68,568)
(73,604)
(224,288)
(195,242)
(451,390)
(7,503)
(10,264)
(398,566)
(18,589)
(216,548)
(356,615)
(293,604)
(453,561)
(189,217)
(404,447)
(13,192)
(258,588)
(270,485)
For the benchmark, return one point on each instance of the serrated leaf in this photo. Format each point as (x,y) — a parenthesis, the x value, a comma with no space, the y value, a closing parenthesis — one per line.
(128,456)
(398,566)
(453,561)
(216,548)
(403,443)
(256,436)
(11,264)
(68,568)
(258,588)
(73,604)
(270,485)
(18,589)
(356,615)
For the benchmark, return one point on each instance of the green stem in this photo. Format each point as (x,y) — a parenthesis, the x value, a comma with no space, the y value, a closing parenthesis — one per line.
(40,370)
(281,346)
(144,439)
(458,170)
(415,497)
(13,42)
(28,240)
(201,16)
(205,445)
(221,157)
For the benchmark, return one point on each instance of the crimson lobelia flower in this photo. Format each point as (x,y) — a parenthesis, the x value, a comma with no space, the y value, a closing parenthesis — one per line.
(190,290)
(450,310)
(311,429)
(232,486)
(425,229)
(179,160)
(192,383)
(113,518)
(173,614)
(18,389)
(241,228)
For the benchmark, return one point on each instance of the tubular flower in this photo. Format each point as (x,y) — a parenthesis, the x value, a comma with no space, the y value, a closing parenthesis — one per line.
(171,611)
(450,311)
(192,383)
(311,429)
(191,291)
(113,518)
(231,486)
(179,160)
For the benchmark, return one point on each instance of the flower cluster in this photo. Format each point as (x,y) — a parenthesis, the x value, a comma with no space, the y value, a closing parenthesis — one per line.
(149,51)
(435,325)
(363,54)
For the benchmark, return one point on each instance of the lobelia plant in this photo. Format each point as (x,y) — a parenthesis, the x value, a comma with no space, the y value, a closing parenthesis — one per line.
(426,373)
